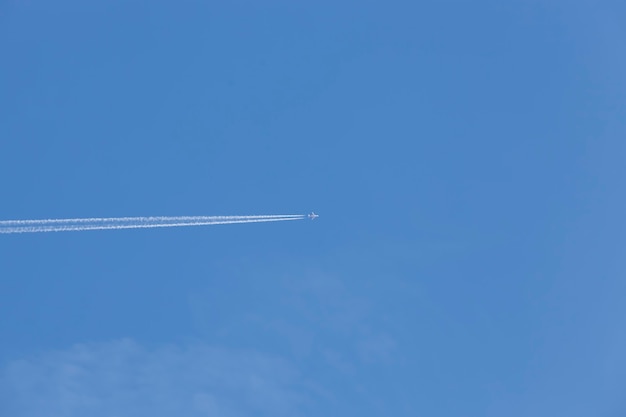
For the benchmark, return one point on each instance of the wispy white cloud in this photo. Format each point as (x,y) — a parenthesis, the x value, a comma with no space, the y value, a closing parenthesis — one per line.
(122,378)
(316,316)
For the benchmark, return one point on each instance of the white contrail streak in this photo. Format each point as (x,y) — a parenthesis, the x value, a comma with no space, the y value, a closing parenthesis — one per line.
(77,225)
(140,219)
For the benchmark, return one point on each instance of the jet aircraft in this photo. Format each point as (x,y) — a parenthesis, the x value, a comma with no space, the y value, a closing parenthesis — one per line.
(313,216)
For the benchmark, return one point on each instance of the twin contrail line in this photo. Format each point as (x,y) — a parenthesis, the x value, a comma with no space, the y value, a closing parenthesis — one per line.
(117,223)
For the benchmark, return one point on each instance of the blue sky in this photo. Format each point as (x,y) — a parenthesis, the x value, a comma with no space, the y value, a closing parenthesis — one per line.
(466,158)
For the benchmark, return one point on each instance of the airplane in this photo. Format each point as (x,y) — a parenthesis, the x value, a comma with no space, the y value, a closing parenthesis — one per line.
(313,216)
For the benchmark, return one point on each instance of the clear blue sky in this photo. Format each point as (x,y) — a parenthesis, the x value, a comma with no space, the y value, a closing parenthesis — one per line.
(466,158)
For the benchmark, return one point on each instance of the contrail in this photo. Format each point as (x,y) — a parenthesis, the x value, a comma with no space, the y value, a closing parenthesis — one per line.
(140,219)
(117,223)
